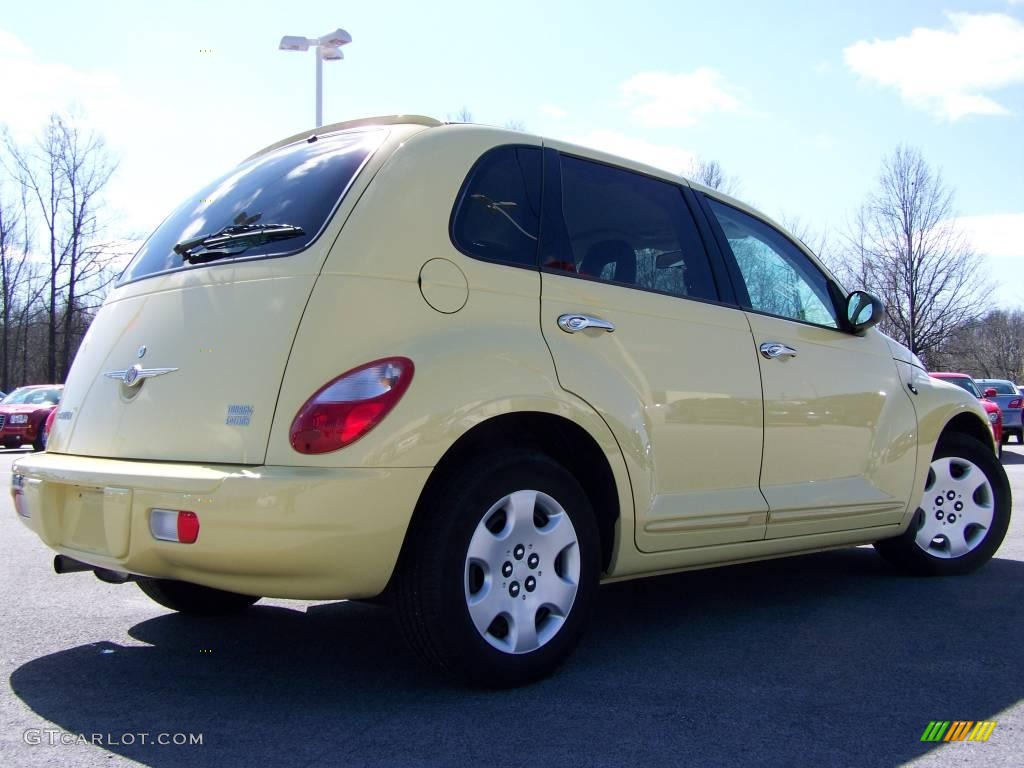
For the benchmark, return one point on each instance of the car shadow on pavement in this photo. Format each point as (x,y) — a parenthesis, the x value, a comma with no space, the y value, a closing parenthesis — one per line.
(825,659)
(1011,457)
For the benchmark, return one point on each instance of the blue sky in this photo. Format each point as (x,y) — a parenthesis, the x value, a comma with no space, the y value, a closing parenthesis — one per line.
(799,100)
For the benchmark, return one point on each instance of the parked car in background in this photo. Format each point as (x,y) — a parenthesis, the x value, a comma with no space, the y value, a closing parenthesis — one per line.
(23,414)
(479,372)
(992,410)
(1010,401)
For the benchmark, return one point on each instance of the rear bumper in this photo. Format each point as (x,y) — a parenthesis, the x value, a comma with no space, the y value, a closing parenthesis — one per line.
(1012,419)
(270,531)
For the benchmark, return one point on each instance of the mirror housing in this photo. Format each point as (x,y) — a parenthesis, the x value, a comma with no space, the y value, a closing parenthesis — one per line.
(863,310)
(990,392)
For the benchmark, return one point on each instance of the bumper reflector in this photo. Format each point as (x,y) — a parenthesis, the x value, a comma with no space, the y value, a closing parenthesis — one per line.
(174,525)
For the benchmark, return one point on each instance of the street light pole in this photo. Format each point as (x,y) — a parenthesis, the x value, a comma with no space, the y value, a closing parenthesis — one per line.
(327,47)
(319,89)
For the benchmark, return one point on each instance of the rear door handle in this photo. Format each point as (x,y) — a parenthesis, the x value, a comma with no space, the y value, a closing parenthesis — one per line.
(577,323)
(773,350)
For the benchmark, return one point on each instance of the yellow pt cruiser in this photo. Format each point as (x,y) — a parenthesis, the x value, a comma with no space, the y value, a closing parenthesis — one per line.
(478,372)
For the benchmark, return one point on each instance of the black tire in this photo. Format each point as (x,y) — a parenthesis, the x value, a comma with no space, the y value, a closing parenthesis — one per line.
(904,551)
(433,584)
(194,599)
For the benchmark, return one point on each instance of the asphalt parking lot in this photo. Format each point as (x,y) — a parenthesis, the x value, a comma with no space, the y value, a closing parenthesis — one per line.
(826,659)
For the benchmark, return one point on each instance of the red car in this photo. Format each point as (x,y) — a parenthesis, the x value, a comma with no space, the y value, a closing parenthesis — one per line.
(23,414)
(995,415)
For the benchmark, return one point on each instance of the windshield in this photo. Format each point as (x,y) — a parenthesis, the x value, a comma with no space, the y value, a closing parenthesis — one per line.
(964,383)
(299,185)
(33,396)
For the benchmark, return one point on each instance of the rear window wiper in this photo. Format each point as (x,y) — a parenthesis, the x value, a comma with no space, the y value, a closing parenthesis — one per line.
(233,240)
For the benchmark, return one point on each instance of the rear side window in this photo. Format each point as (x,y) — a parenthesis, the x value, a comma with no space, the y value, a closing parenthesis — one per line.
(632,229)
(300,184)
(497,216)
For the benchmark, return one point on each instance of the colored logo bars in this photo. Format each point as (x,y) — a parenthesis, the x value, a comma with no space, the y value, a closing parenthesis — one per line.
(958,730)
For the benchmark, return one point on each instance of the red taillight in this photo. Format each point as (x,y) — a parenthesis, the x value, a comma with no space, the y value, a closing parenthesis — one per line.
(1016,403)
(49,424)
(348,407)
(188,527)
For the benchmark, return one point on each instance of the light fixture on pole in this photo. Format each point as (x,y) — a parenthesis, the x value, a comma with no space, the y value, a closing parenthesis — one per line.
(325,48)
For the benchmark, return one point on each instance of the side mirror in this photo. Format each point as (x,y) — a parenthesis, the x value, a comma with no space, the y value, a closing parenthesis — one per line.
(991,392)
(863,310)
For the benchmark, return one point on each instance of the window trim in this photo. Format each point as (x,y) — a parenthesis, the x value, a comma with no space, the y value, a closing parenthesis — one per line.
(834,292)
(461,197)
(186,266)
(554,218)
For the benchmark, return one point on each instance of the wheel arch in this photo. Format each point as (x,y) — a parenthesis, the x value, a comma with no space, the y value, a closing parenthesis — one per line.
(966,423)
(565,441)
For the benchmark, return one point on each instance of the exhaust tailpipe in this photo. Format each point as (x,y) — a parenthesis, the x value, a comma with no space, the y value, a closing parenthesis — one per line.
(65,564)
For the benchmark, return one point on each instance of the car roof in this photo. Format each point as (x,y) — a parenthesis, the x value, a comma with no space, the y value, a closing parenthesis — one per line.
(948,375)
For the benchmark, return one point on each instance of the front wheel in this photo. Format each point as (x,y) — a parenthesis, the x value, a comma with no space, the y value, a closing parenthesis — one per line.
(185,597)
(502,571)
(962,516)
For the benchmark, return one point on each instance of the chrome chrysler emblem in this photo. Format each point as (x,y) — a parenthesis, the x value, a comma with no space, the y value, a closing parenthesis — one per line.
(136,374)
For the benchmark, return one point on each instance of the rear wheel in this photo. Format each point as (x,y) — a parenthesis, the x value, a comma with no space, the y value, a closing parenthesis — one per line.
(962,516)
(185,597)
(502,571)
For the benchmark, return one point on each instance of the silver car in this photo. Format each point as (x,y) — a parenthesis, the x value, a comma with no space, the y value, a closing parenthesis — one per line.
(1010,399)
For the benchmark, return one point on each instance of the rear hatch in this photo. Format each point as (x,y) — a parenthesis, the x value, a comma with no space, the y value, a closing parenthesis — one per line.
(184,361)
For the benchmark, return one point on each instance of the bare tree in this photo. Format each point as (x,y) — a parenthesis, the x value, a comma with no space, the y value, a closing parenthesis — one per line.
(906,248)
(13,255)
(462,116)
(62,176)
(710,174)
(991,348)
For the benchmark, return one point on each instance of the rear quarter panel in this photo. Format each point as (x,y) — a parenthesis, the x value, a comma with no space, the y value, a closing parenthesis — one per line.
(486,359)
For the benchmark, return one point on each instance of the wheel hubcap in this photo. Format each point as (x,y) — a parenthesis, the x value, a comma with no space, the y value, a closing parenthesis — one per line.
(522,572)
(956,510)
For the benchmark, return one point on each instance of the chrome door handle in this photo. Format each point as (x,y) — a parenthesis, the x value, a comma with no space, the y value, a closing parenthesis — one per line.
(773,350)
(577,323)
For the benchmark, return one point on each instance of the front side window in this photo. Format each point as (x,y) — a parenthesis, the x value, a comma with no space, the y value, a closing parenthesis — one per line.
(779,277)
(296,186)
(631,229)
(497,217)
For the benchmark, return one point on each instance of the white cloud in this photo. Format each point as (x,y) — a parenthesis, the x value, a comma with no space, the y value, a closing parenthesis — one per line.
(995,235)
(162,157)
(552,111)
(663,99)
(671,158)
(950,71)
(998,237)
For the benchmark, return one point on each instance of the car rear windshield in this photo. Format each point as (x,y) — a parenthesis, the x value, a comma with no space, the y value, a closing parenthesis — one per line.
(300,185)
(1002,387)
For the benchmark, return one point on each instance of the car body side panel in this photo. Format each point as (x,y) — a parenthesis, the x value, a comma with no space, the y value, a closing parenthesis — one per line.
(483,360)
(840,431)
